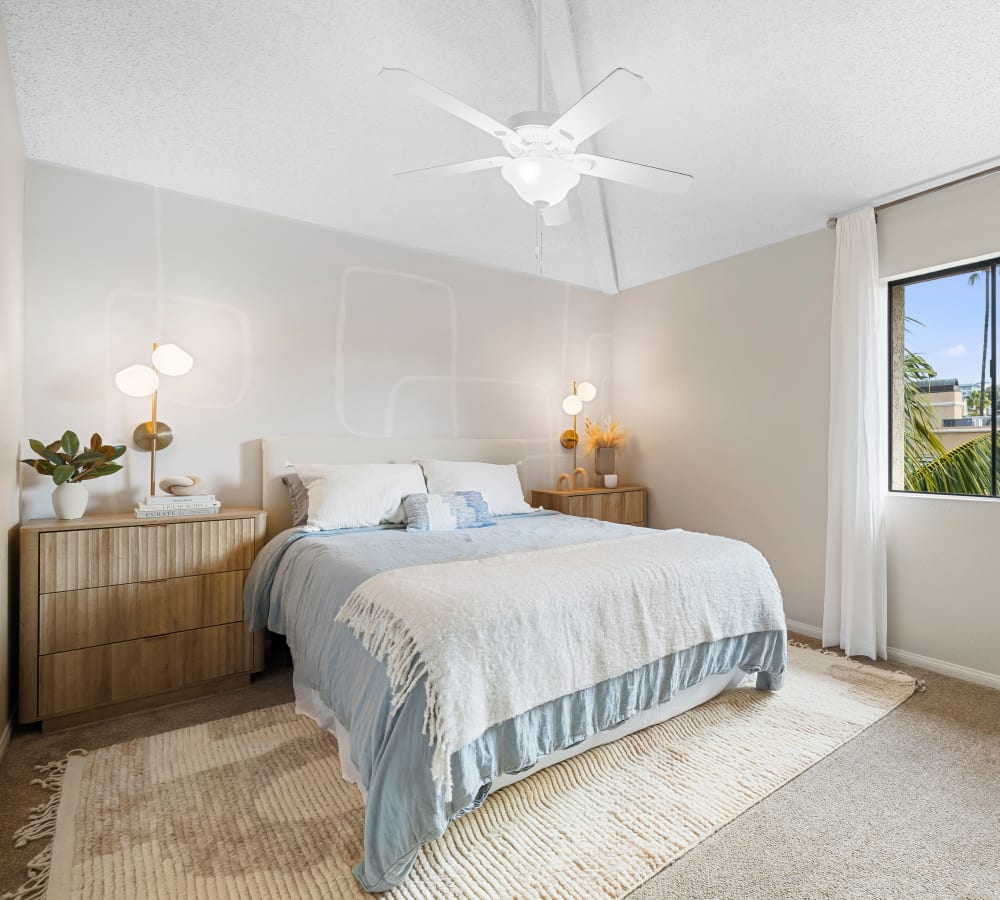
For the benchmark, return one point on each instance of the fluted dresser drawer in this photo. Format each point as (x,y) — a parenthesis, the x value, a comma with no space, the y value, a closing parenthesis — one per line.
(97,557)
(69,620)
(114,673)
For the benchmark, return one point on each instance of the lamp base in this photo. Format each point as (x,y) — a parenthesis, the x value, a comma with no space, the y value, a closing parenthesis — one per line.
(144,434)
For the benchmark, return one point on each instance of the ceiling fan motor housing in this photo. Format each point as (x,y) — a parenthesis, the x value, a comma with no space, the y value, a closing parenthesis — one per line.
(532,127)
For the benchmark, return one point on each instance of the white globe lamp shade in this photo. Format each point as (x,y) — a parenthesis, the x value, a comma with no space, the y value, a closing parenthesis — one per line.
(540,181)
(171,360)
(572,405)
(137,381)
(586,391)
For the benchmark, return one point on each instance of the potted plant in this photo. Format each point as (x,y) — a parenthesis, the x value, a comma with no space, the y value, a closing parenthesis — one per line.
(69,467)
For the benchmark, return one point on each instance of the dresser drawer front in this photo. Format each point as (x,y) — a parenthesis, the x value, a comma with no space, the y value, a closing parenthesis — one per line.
(113,673)
(97,557)
(70,620)
(633,508)
(596,506)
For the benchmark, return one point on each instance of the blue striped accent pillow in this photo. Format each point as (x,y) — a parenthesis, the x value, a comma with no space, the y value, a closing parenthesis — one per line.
(446,512)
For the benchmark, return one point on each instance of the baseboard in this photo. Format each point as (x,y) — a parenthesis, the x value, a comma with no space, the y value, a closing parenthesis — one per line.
(963,673)
(801,628)
(8,730)
(907,658)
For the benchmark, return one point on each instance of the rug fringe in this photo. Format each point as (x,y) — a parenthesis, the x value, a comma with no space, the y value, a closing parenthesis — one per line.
(42,824)
(919,685)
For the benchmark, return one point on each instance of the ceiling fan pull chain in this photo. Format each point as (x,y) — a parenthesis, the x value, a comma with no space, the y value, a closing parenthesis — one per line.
(538,242)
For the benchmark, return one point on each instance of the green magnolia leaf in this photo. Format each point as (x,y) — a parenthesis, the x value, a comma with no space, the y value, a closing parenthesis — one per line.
(95,441)
(37,446)
(98,471)
(62,474)
(119,451)
(88,457)
(70,443)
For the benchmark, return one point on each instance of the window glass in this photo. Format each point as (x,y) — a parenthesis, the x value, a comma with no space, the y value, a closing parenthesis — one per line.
(942,394)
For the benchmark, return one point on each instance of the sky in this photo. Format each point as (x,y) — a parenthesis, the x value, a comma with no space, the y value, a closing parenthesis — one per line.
(948,331)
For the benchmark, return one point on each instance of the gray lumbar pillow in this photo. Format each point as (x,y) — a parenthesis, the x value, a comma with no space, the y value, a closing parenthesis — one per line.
(299,497)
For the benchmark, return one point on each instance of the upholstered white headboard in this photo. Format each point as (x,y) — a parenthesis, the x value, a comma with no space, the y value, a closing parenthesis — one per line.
(277,451)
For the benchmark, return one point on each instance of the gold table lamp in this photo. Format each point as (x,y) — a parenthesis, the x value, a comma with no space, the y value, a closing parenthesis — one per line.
(144,381)
(572,405)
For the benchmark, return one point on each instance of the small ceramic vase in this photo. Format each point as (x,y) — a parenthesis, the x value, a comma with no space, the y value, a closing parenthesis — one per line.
(604,461)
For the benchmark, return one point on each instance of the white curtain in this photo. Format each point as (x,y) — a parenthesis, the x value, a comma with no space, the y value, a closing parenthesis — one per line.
(854,606)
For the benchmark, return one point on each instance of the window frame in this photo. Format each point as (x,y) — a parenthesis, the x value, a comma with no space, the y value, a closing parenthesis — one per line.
(990,265)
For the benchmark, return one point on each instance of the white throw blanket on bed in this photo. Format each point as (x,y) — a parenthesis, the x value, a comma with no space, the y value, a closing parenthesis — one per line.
(498,636)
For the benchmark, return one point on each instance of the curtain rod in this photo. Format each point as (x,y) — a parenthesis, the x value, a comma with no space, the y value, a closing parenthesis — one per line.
(832,221)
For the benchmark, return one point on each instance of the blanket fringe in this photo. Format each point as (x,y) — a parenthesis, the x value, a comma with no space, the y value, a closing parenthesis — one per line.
(42,824)
(386,638)
(919,685)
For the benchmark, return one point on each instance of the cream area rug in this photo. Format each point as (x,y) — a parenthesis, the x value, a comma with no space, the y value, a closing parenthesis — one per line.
(254,806)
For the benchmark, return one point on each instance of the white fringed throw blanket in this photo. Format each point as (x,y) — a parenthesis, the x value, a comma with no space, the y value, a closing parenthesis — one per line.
(496,637)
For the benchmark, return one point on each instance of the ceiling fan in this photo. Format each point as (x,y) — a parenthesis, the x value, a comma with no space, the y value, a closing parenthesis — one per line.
(541,162)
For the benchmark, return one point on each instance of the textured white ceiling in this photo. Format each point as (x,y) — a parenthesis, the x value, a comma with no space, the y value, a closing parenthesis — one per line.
(784,111)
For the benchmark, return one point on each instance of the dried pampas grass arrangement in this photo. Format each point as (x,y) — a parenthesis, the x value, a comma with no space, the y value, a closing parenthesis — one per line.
(610,434)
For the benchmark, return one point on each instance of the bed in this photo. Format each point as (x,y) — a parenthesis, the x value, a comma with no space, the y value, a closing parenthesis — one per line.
(417,775)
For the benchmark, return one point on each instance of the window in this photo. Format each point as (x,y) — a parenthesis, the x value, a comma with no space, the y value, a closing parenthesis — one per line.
(942,347)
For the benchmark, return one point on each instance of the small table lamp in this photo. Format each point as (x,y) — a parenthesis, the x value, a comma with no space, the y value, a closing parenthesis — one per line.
(143,381)
(572,405)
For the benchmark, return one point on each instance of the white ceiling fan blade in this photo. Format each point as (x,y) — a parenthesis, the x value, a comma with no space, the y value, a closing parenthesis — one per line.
(403,79)
(556,215)
(612,97)
(632,173)
(461,168)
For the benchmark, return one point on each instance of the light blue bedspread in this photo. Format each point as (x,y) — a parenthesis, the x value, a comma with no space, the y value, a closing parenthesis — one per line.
(301,579)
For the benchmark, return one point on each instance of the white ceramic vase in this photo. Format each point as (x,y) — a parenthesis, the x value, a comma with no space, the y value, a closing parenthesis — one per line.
(69,500)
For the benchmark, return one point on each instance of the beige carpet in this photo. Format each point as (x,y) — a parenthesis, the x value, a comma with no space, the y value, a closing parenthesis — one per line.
(254,806)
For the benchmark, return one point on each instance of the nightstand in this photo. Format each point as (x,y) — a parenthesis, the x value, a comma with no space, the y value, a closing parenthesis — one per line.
(624,504)
(119,614)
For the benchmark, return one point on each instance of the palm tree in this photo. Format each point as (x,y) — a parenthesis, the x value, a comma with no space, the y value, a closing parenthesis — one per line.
(968,469)
(928,467)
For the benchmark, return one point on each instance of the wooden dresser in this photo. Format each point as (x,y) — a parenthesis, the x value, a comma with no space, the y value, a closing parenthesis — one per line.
(624,504)
(118,613)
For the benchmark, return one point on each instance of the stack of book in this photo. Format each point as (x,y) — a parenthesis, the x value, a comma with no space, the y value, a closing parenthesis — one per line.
(167,505)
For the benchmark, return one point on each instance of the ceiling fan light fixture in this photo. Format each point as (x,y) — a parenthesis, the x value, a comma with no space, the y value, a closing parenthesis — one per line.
(540,180)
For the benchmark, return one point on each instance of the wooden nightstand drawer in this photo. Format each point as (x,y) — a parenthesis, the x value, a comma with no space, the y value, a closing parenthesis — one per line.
(634,507)
(113,673)
(97,557)
(70,620)
(596,506)
(624,505)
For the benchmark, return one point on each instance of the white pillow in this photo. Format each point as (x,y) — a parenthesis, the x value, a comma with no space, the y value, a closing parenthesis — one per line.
(499,485)
(355,496)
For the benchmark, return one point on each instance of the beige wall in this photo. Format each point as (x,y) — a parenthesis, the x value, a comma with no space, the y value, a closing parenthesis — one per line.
(11,312)
(692,352)
(947,611)
(940,229)
(295,329)
(692,356)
